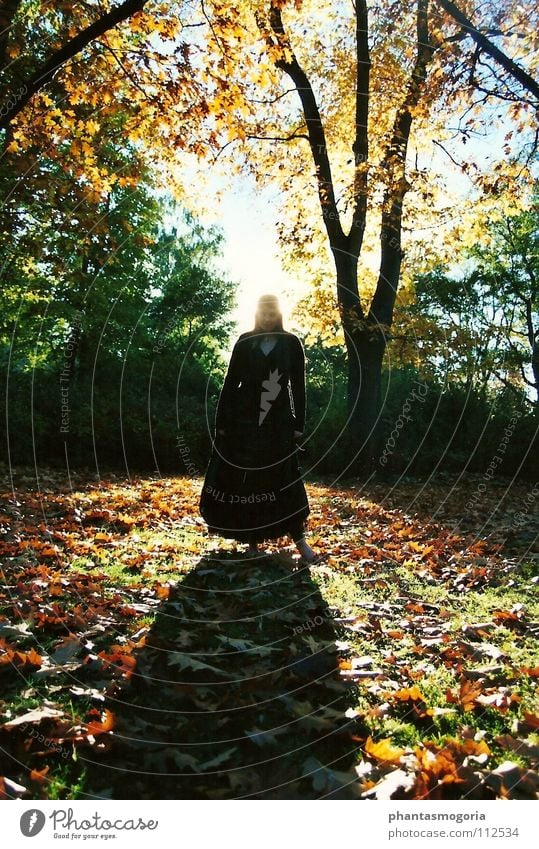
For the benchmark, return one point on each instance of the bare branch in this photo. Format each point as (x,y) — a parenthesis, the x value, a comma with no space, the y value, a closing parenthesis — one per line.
(273,99)
(294,135)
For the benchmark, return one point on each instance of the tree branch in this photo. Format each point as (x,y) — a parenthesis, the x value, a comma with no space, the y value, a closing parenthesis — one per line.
(383,302)
(485,44)
(507,383)
(315,129)
(124,69)
(291,137)
(45,74)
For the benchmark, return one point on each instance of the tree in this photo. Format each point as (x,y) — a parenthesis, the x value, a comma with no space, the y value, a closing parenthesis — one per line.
(370,81)
(375,86)
(134,62)
(100,343)
(485,45)
(453,330)
(477,321)
(508,267)
(15,101)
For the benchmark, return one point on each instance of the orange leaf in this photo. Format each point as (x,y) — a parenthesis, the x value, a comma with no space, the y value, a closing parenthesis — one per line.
(413,607)
(102,537)
(531,720)
(533,672)
(124,662)
(39,774)
(437,766)
(33,658)
(105,725)
(468,693)
(409,694)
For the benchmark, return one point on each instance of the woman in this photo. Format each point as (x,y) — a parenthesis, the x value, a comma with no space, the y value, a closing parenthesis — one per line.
(253,489)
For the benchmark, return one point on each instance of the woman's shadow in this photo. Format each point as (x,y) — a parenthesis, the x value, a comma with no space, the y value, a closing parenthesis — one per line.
(236,693)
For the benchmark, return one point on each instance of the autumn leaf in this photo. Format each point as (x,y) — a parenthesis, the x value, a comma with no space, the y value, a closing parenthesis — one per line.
(533,672)
(531,720)
(500,699)
(33,716)
(120,659)
(408,694)
(383,750)
(11,657)
(467,695)
(39,776)
(103,629)
(10,789)
(103,725)
(512,781)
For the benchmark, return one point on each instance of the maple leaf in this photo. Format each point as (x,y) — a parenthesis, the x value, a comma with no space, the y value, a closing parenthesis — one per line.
(33,716)
(436,767)
(103,725)
(39,776)
(467,695)
(184,661)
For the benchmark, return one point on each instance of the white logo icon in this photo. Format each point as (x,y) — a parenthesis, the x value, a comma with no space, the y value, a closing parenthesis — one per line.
(272,387)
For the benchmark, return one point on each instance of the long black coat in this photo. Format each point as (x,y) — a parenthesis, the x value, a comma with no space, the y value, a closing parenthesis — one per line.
(253,486)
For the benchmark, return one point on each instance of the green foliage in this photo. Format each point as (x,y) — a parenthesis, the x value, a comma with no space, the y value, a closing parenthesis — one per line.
(111,344)
(478,321)
(451,427)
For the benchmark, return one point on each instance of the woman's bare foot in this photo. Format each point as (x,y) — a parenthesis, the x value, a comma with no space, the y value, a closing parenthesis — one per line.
(306,551)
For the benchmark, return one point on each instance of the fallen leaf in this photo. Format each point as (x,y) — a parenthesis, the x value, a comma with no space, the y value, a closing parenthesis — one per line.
(383,750)
(34,716)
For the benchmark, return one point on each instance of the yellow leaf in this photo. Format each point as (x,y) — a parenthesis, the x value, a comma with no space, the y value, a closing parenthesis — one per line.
(383,750)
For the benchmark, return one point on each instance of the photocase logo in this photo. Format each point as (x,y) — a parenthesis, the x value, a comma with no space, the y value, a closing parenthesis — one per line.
(272,387)
(32,822)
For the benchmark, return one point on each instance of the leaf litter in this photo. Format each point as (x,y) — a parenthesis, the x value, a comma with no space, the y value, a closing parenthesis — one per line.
(405,666)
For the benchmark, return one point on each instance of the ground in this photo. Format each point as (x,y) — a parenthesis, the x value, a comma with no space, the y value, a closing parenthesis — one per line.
(142,658)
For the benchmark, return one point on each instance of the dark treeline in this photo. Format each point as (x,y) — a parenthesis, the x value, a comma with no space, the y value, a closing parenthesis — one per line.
(149,404)
(427,426)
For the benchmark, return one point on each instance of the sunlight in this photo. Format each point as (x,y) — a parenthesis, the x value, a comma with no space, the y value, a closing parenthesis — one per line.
(250,258)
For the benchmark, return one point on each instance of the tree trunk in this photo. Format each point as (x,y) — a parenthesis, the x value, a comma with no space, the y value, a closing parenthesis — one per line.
(535,370)
(365,347)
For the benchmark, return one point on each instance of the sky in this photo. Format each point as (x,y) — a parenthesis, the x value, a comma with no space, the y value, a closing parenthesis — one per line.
(250,254)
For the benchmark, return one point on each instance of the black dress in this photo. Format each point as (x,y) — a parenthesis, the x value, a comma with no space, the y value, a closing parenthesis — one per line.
(253,488)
